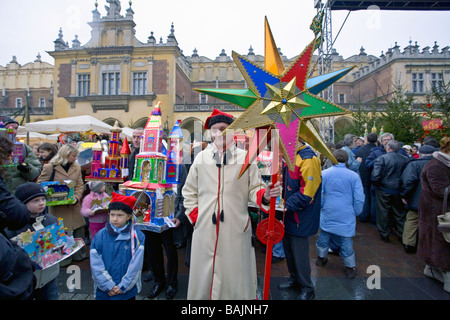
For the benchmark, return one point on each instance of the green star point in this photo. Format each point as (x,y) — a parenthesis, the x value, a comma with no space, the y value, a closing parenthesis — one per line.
(241,97)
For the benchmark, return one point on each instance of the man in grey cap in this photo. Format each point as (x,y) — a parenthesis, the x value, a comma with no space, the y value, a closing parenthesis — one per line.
(410,192)
(28,170)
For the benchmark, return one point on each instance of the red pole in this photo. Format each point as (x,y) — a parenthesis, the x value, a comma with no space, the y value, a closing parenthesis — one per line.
(276,173)
(269,245)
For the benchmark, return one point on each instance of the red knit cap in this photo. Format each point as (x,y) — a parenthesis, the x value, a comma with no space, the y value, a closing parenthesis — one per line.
(120,202)
(218,116)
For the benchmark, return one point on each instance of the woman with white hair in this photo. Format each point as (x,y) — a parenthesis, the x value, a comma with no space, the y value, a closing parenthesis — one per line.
(349,144)
(64,167)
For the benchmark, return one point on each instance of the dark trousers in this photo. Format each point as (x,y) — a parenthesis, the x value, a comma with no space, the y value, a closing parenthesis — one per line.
(156,242)
(369,212)
(296,250)
(389,208)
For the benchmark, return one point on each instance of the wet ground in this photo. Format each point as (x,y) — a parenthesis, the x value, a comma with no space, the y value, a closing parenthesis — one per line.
(400,274)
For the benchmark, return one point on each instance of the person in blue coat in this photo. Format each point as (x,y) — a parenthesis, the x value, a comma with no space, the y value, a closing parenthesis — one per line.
(117,253)
(342,201)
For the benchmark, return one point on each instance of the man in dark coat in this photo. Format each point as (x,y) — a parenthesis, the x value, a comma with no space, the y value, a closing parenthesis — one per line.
(368,213)
(381,150)
(386,173)
(16,269)
(410,192)
(302,188)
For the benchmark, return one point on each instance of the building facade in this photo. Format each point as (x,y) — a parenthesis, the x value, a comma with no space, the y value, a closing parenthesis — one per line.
(116,77)
(27,91)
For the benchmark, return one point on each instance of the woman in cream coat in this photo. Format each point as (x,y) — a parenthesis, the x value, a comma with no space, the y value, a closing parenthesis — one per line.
(65,167)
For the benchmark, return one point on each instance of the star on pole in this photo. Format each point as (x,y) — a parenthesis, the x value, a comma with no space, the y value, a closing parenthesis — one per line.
(282,99)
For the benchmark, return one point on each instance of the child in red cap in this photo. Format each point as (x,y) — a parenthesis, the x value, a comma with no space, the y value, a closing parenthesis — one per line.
(117,253)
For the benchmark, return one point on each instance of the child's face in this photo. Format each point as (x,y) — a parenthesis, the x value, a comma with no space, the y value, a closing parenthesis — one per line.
(118,218)
(36,205)
(102,189)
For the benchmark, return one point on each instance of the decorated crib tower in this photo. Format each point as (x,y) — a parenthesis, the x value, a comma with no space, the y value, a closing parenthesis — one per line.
(17,155)
(111,169)
(154,175)
(174,154)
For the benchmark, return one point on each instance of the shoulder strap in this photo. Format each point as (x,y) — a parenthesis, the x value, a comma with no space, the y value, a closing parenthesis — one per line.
(444,205)
(52,177)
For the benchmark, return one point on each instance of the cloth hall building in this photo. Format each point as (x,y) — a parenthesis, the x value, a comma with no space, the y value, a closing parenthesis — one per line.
(116,77)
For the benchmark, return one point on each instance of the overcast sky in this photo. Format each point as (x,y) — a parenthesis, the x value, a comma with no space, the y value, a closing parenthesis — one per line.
(30,26)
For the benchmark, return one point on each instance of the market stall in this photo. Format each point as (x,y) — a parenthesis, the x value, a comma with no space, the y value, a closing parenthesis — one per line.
(72,124)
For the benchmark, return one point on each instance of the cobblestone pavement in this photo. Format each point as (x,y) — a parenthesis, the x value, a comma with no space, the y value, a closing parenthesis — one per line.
(401,274)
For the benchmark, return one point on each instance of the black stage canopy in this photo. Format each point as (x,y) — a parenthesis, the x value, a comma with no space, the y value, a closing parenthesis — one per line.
(391,5)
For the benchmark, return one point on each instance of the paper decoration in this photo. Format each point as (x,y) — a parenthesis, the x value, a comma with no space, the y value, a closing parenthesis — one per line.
(49,245)
(59,193)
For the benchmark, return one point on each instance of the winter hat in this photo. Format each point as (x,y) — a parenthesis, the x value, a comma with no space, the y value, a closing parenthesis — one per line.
(9,120)
(28,191)
(218,116)
(120,202)
(95,186)
(407,147)
(427,149)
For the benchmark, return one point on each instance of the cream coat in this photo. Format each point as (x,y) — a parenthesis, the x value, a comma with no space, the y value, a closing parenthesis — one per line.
(71,215)
(223,264)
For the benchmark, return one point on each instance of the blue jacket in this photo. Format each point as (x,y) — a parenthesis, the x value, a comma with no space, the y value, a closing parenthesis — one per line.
(342,200)
(302,188)
(353,164)
(112,263)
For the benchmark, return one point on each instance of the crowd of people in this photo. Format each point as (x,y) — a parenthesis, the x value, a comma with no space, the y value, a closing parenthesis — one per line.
(402,190)
(398,188)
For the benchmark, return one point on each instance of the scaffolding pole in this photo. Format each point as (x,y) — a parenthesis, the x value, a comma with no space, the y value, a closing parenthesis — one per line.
(325,65)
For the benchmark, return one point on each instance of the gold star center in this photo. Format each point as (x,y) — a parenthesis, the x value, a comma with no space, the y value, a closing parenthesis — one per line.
(283,101)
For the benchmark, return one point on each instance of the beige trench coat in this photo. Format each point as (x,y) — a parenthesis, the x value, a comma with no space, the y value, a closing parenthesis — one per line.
(223,264)
(71,215)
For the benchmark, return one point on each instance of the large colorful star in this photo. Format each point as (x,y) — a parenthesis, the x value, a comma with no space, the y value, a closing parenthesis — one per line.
(282,99)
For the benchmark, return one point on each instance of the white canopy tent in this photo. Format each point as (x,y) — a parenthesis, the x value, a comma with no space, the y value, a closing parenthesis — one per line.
(38,135)
(71,124)
(22,134)
(127,132)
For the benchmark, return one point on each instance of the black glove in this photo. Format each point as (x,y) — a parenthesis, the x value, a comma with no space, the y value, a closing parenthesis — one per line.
(23,167)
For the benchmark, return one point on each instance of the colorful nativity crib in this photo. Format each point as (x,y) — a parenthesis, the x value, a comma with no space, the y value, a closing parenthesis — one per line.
(156,170)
